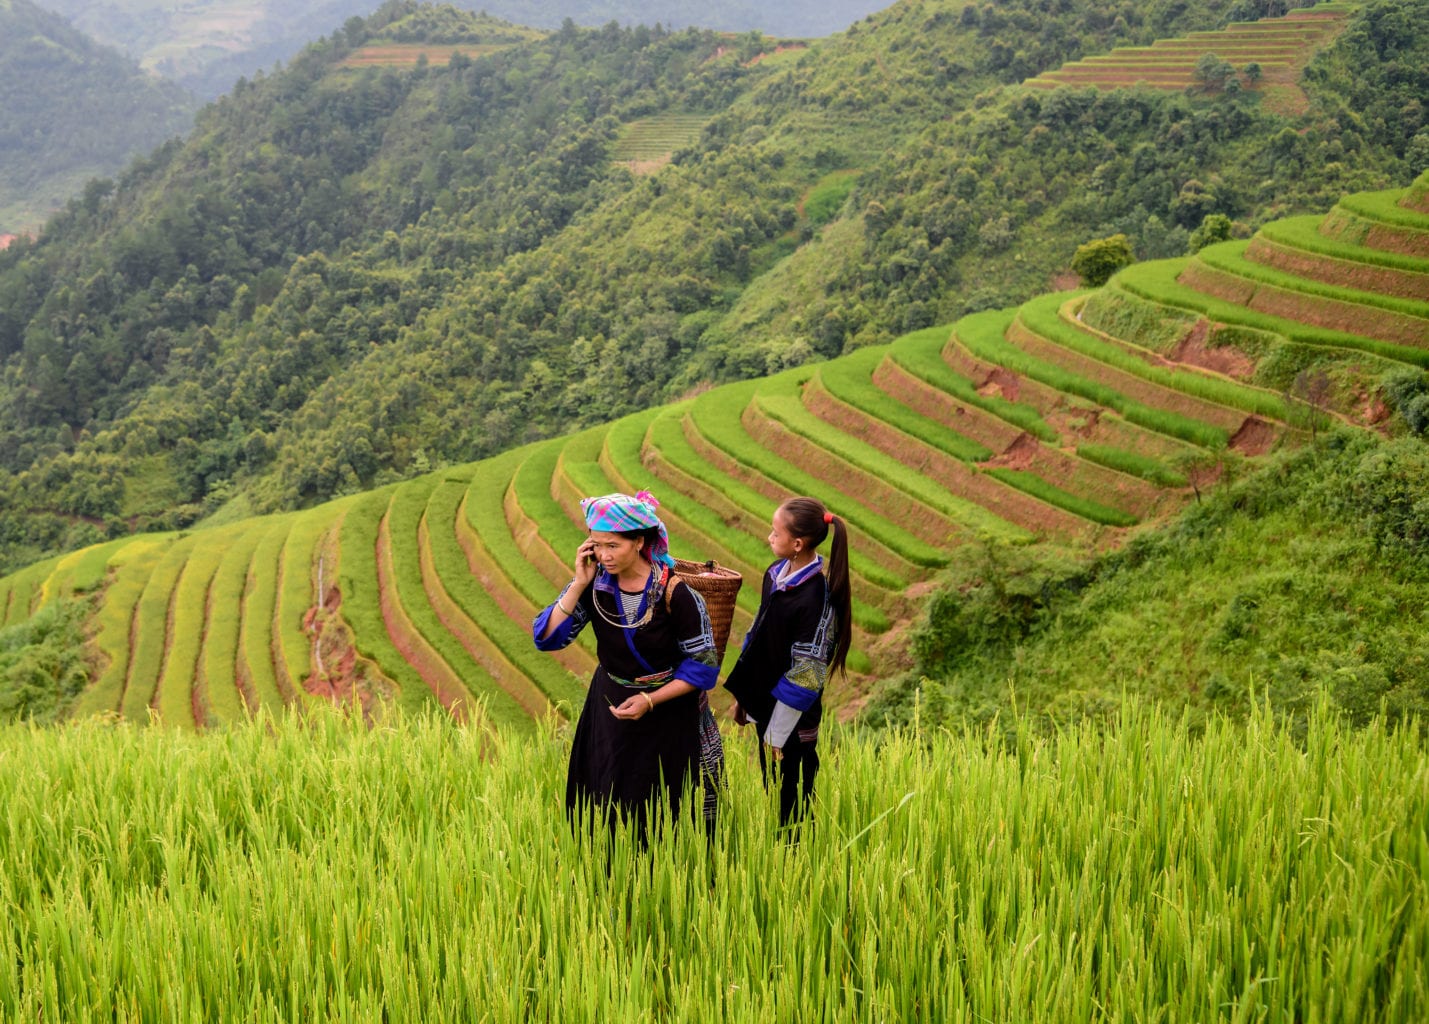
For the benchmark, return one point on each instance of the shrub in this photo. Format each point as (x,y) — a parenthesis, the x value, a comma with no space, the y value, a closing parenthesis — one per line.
(1214,72)
(995,596)
(1407,392)
(1214,227)
(1388,493)
(42,662)
(1097,260)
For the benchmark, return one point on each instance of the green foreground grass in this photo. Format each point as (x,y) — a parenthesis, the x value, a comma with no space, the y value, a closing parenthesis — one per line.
(286,870)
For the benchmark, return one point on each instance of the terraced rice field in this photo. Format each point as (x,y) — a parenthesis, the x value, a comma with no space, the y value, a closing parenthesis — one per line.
(648,144)
(409,55)
(1281,47)
(1069,421)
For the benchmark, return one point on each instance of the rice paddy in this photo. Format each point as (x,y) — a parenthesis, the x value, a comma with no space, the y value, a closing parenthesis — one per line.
(1068,421)
(648,143)
(316,868)
(1277,48)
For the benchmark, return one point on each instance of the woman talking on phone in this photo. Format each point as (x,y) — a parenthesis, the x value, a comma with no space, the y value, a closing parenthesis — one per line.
(645,730)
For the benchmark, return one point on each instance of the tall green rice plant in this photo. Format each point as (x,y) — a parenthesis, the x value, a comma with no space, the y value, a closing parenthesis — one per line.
(313,869)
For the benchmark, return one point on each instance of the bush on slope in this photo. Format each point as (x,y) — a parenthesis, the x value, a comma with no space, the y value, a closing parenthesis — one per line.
(1304,578)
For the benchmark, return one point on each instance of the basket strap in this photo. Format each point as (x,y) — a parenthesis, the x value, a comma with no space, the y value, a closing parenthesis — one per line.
(670,587)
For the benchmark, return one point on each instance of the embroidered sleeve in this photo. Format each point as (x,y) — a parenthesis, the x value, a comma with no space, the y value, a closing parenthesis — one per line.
(567,631)
(805,677)
(699,665)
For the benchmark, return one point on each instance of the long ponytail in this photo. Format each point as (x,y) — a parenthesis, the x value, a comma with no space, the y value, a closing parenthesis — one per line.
(809,519)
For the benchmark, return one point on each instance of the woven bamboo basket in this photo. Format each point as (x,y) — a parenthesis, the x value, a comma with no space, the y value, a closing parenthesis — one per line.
(719,587)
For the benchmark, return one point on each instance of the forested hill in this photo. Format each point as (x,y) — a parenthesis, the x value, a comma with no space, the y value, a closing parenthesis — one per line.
(70,110)
(351,273)
(207,45)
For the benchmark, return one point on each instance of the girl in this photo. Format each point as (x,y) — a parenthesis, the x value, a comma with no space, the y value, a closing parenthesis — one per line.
(643,726)
(800,633)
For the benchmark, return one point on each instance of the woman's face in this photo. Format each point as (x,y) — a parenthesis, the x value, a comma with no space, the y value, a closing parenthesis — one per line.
(781,540)
(615,553)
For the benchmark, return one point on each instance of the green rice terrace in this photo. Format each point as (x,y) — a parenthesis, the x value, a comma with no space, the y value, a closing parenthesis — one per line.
(1265,56)
(648,143)
(403,52)
(1071,421)
(409,55)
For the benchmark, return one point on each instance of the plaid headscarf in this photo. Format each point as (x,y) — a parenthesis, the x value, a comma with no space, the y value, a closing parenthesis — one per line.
(617,513)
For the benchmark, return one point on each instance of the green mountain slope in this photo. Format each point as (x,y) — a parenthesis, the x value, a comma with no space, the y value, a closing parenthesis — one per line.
(349,274)
(987,206)
(1300,583)
(208,45)
(70,110)
(1059,429)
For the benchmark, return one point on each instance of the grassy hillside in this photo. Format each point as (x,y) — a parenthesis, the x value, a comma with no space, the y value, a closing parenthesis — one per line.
(348,275)
(1297,584)
(71,110)
(1058,426)
(422,872)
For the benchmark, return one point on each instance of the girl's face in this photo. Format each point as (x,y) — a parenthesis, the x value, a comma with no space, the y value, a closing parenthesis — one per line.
(615,553)
(781,541)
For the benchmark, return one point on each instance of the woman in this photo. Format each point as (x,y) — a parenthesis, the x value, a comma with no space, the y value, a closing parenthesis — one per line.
(800,633)
(646,722)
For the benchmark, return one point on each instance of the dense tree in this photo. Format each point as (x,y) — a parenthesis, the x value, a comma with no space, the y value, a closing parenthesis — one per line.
(1096,261)
(343,270)
(1214,73)
(1216,227)
(174,40)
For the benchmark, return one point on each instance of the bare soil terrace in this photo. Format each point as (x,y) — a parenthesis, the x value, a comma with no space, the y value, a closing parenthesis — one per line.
(407,55)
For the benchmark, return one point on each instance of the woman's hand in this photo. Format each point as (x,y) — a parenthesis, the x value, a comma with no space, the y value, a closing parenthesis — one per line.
(585,565)
(741,717)
(633,708)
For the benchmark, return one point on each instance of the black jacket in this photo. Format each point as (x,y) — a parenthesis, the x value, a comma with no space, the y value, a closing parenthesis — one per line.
(787,650)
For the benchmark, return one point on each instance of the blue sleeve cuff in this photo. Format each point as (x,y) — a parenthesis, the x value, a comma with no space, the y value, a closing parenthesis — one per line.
(560,637)
(795,696)
(698,674)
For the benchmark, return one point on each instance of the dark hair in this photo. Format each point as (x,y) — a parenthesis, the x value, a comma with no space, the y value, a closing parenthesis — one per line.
(647,536)
(807,518)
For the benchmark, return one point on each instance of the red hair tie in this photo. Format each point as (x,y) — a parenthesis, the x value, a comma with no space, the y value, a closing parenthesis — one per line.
(828,517)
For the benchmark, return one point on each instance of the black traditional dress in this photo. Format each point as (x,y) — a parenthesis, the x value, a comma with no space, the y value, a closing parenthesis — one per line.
(642,642)
(780,675)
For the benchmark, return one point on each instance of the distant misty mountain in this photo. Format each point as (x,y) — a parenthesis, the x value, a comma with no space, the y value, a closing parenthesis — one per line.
(207,45)
(71,110)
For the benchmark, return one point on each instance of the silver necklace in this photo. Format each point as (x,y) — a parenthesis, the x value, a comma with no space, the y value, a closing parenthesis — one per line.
(621,623)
